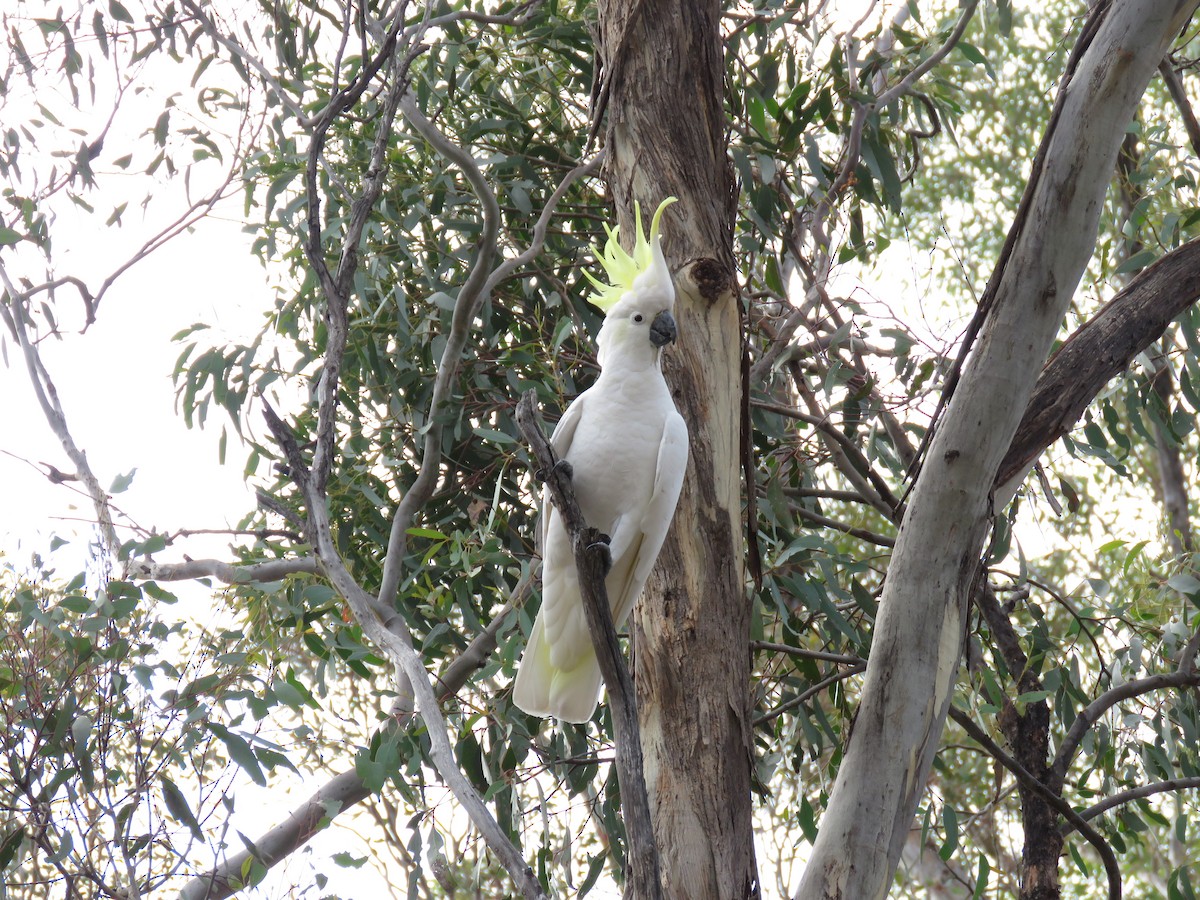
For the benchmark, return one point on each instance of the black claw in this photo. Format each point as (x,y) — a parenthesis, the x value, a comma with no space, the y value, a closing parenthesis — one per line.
(559,466)
(602,544)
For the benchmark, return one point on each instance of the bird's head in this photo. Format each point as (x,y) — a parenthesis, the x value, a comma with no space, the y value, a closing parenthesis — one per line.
(639,297)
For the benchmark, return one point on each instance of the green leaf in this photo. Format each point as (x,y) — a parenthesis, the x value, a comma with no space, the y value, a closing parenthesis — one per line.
(178,807)
(240,752)
(950,824)
(1137,262)
(161,127)
(8,237)
(981,879)
(1184,583)
(10,846)
(119,12)
(121,482)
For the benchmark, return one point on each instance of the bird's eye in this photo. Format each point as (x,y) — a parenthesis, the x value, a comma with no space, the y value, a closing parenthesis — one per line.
(638,317)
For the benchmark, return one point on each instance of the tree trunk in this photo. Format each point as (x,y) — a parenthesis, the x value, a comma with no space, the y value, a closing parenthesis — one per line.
(918,635)
(662,90)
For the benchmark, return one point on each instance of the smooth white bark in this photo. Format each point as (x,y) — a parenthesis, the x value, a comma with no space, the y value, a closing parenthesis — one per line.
(918,634)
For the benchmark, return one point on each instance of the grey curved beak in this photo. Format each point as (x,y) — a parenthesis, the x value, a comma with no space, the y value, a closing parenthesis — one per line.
(663,330)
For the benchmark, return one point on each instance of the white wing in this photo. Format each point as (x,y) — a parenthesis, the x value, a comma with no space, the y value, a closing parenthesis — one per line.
(656,520)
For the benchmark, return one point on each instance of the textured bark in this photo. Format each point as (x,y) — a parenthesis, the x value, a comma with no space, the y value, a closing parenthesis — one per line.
(1028,734)
(661,89)
(1097,351)
(918,635)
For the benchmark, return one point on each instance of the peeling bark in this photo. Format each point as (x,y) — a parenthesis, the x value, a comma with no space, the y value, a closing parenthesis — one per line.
(662,84)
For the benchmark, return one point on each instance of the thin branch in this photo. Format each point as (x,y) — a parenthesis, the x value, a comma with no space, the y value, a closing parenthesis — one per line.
(236,49)
(861,533)
(849,460)
(388,631)
(810,692)
(227,573)
(336,287)
(905,84)
(475,291)
(470,297)
(1179,95)
(593,562)
(1137,793)
(1110,698)
(808,654)
(1093,837)
(346,789)
(12,313)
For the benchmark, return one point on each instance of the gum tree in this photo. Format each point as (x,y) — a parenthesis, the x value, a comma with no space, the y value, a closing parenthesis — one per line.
(425,183)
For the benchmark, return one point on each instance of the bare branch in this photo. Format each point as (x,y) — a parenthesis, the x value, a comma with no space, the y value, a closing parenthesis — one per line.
(12,313)
(861,533)
(808,654)
(807,694)
(388,631)
(346,789)
(227,573)
(592,560)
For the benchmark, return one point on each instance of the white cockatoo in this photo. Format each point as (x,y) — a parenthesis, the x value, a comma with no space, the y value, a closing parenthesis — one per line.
(627,447)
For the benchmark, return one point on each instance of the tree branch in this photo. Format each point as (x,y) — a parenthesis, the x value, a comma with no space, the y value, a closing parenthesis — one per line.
(817,688)
(1137,793)
(1098,350)
(346,789)
(1110,698)
(388,631)
(1093,837)
(474,292)
(593,562)
(227,573)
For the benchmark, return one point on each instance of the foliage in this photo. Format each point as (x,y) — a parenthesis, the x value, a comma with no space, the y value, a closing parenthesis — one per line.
(841,396)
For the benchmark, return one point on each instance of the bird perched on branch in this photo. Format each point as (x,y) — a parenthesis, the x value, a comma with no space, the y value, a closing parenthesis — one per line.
(627,446)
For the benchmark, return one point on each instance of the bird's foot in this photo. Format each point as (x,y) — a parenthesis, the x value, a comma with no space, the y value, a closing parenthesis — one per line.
(560,465)
(601,545)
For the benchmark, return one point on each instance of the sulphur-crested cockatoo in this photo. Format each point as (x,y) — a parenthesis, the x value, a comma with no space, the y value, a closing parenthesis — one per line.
(627,446)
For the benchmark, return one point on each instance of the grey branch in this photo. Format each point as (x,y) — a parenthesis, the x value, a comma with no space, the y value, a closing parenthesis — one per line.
(1110,698)
(1137,793)
(591,558)
(1111,868)
(346,789)
(388,631)
(227,573)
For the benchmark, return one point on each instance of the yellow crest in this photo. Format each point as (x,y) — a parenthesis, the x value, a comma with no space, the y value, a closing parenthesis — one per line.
(620,267)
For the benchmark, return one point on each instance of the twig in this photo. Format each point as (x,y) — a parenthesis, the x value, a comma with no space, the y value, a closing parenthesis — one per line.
(593,562)
(12,314)
(860,533)
(810,692)
(227,573)
(808,654)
